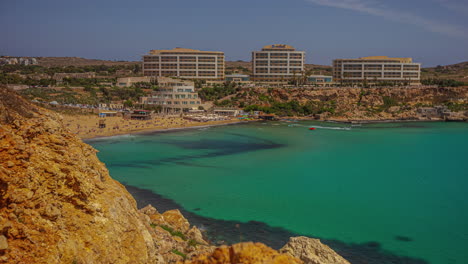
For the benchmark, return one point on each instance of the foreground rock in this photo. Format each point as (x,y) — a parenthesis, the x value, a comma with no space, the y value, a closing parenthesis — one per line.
(58,203)
(244,253)
(311,251)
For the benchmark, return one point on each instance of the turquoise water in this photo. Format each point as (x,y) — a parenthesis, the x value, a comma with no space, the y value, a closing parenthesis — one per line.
(400,187)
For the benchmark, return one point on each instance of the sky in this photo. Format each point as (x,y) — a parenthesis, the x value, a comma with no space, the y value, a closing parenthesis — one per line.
(433,32)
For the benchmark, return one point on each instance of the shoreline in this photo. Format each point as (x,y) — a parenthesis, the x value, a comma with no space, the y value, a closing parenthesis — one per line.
(151,131)
(182,127)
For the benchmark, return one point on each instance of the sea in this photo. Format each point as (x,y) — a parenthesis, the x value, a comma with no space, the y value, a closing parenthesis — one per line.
(375,193)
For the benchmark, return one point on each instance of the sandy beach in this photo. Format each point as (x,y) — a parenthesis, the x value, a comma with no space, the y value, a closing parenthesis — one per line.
(87,126)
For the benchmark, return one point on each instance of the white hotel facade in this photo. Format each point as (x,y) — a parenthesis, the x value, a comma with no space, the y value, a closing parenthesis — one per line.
(377,69)
(277,63)
(184,63)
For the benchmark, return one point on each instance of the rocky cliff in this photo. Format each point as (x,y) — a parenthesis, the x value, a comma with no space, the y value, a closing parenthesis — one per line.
(348,104)
(58,204)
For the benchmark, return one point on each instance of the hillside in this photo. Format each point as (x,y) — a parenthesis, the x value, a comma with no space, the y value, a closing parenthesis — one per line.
(354,104)
(76,61)
(458,72)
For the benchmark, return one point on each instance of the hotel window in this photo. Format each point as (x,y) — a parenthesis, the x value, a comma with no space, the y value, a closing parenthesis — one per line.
(168,59)
(295,56)
(373,67)
(411,67)
(392,67)
(184,102)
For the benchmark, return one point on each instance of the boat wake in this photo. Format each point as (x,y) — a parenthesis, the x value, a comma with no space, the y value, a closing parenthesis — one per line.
(332,128)
(321,127)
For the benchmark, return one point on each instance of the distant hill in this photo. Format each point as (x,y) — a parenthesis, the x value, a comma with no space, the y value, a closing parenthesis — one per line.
(458,71)
(76,61)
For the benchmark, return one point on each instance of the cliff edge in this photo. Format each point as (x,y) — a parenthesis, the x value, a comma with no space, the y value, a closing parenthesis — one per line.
(58,203)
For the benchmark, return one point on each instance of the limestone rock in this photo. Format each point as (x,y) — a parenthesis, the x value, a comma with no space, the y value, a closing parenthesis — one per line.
(311,251)
(59,204)
(3,243)
(175,219)
(195,234)
(246,253)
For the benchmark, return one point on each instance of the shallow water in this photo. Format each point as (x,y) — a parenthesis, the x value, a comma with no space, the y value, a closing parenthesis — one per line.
(377,193)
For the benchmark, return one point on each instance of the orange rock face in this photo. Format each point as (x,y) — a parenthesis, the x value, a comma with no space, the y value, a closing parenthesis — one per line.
(58,203)
(246,253)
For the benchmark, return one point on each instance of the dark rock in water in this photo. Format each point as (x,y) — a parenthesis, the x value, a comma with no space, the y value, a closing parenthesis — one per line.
(197,209)
(228,232)
(403,238)
(372,244)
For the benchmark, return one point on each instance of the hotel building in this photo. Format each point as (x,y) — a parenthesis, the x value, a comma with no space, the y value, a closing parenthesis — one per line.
(376,69)
(184,63)
(174,95)
(277,63)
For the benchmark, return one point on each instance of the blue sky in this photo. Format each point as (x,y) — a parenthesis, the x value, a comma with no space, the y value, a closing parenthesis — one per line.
(433,32)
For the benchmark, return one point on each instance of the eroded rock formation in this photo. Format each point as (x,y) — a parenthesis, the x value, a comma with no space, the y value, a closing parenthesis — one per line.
(58,203)
(311,251)
(247,252)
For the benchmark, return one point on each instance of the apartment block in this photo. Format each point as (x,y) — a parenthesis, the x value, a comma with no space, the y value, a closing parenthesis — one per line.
(277,63)
(184,63)
(376,69)
(174,95)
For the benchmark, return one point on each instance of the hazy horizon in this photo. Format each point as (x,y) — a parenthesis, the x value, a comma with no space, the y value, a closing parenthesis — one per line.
(432,32)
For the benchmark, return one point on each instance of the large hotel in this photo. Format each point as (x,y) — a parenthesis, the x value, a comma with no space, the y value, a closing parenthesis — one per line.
(277,63)
(376,69)
(184,63)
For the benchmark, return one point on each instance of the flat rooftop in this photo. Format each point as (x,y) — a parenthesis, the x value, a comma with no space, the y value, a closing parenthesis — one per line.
(406,60)
(182,51)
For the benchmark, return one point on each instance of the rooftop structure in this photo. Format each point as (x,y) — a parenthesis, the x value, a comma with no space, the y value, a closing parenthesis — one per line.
(377,69)
(129,81)
(184,63)
(277,63)
(238,78)
(320,80)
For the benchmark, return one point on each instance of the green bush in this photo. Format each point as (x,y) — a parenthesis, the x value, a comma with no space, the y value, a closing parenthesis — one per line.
(177,252)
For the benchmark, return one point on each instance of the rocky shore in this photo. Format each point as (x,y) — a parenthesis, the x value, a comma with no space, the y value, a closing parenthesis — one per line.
(59,205)
(361,104)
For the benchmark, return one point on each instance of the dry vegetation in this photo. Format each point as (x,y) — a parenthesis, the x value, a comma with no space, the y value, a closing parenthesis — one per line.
(458,72)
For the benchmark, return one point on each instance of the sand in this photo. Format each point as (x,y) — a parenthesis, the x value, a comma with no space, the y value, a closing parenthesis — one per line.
(87,126)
